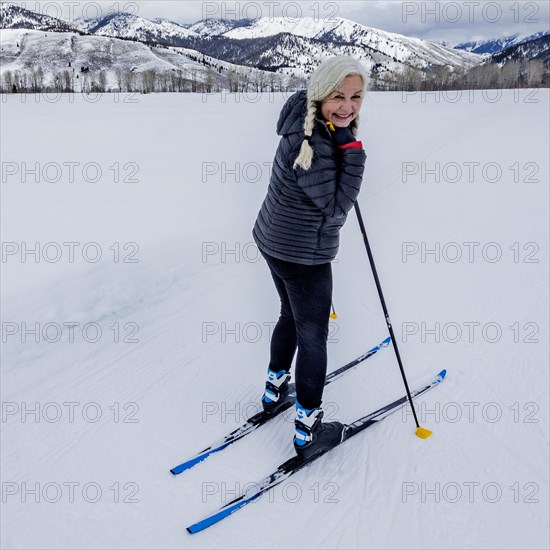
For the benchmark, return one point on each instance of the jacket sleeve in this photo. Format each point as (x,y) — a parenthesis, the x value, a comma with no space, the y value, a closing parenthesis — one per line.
(332,182)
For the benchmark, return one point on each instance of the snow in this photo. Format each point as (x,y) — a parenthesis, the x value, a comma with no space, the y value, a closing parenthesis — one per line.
(184,383)
(310,27)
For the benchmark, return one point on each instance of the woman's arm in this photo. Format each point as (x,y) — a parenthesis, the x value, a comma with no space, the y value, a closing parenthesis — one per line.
(334,178)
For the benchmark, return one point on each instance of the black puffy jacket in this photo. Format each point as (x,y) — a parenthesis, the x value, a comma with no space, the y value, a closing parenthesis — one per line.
(301,216)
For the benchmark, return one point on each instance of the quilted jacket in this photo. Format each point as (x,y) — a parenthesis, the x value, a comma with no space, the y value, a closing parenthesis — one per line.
(301,216)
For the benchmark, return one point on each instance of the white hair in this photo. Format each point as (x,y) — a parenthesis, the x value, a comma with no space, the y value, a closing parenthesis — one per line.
(327,78)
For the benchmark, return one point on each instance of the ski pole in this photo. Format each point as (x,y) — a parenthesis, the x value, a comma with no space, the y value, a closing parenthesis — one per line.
(423,433)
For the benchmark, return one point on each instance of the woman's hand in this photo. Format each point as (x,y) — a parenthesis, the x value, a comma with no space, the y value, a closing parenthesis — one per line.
(341,136)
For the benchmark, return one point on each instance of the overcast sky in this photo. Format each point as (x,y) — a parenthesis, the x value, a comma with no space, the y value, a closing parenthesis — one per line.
(451,21)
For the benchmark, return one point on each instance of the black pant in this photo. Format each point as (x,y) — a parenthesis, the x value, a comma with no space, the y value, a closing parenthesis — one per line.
(306,293)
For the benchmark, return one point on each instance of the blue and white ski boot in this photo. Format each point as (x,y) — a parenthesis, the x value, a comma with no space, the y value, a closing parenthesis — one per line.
(279,394)
(313,436)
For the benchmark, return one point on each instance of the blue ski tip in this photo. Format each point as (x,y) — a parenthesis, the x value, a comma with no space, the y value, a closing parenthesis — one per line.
(190,463)
(223,513)
(442,374)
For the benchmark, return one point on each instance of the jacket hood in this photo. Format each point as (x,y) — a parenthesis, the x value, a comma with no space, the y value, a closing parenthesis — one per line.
(291,118)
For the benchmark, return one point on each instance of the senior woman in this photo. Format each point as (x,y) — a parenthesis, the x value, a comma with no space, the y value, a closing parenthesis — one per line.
(316,177)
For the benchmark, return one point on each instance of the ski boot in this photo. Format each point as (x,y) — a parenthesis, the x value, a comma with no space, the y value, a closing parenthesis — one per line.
(279,393)
(313,436)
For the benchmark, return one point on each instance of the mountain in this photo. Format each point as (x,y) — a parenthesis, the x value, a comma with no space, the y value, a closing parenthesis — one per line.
(126,25)
(213,50)
(494,45)
(206,28)
(273,42)
(340,36)
(536,49)
(15,17)
(65,54)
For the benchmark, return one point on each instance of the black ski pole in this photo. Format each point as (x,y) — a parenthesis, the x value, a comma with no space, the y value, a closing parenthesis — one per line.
(420,432)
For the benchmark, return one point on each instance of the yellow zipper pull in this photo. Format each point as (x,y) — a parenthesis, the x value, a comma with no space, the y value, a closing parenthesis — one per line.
(330,125)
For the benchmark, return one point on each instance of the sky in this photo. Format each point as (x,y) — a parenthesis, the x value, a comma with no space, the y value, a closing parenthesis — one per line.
(446,21)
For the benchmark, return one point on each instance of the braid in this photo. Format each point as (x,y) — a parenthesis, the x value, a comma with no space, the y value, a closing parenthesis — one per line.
(354,125)
(305,155)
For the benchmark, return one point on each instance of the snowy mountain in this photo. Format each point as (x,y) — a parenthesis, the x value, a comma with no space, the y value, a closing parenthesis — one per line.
(126,25)
(535,49)
(15,17)
(267,37)
(206,28)
(494,45)
(265,49)
(247,41)
(274,44)
(63,54)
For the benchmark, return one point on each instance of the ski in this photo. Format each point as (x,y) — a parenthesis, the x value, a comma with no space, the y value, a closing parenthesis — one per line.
(261,418)
(296,463)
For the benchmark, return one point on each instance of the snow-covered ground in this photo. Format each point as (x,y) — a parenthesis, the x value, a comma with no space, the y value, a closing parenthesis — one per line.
(115,370)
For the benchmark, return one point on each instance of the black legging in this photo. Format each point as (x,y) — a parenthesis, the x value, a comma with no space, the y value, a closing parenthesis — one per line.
(305,292)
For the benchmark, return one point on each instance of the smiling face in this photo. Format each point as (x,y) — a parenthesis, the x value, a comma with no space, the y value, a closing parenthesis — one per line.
(344,104)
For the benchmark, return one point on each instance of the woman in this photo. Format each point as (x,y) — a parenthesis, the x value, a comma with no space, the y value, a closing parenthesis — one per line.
(316,176)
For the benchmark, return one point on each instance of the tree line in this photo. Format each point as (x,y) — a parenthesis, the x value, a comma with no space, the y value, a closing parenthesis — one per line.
(513,74)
